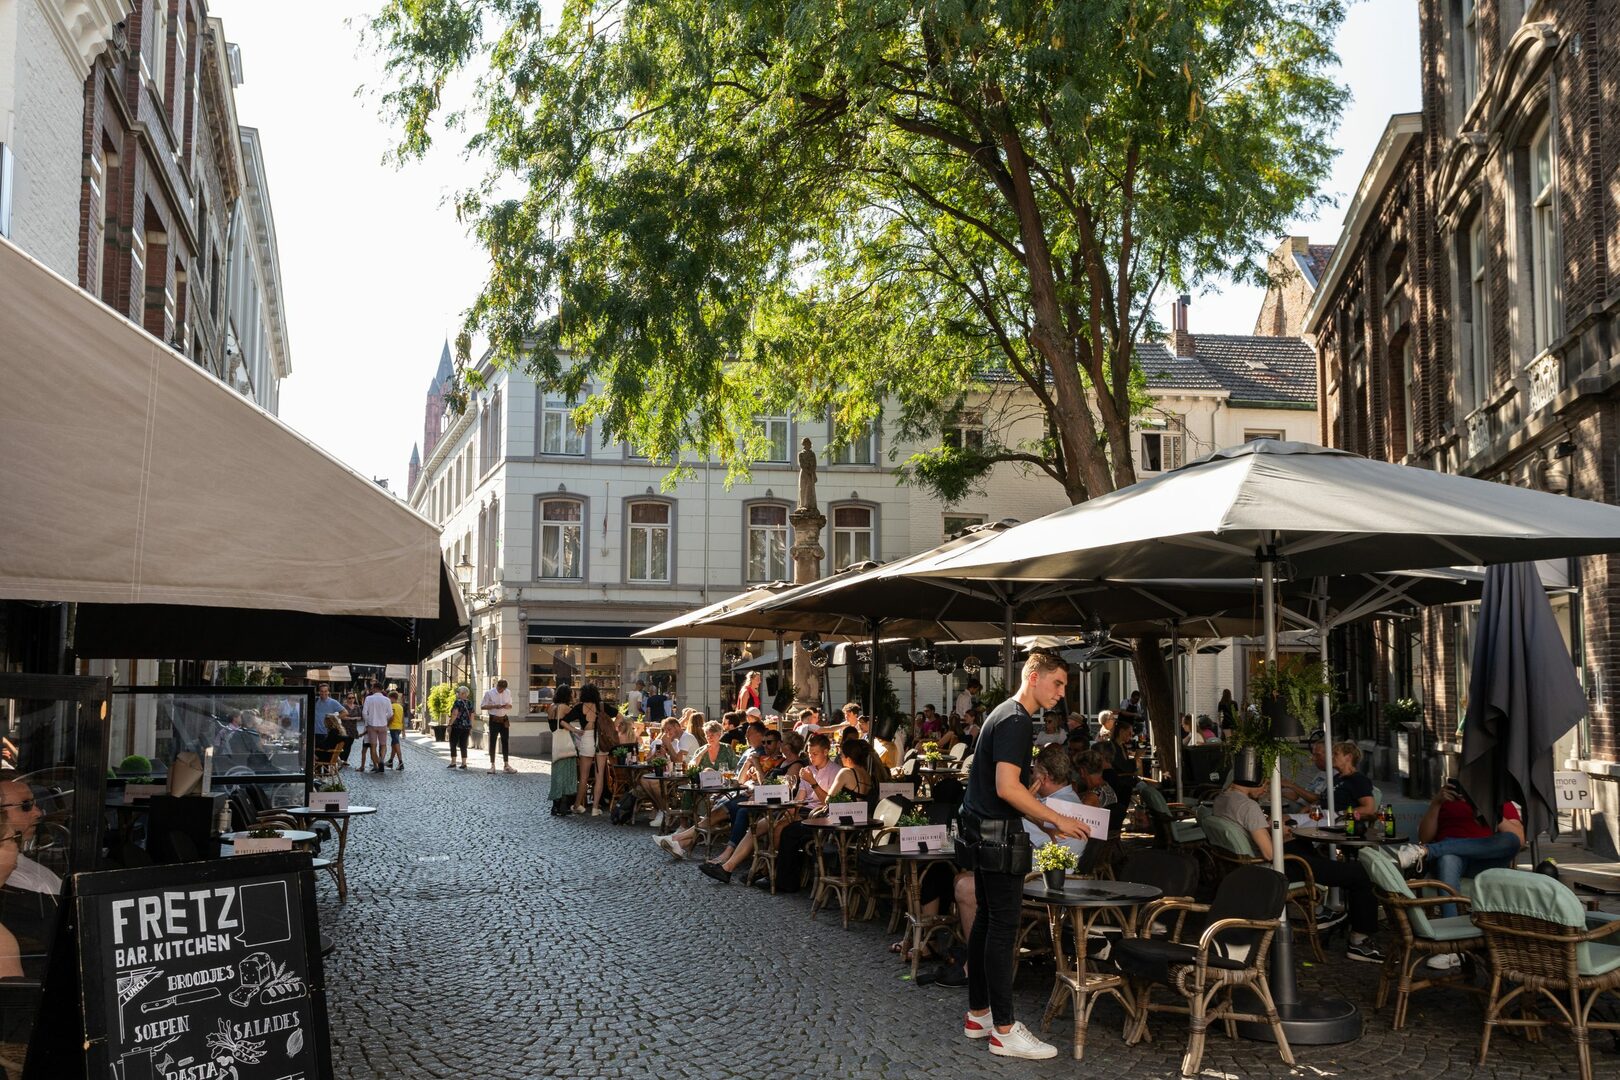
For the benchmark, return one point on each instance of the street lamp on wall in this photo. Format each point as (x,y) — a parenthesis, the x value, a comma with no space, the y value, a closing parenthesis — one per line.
(464,577)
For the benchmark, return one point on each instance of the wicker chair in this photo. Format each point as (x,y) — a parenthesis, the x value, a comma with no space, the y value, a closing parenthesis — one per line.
(1231,951)
(1537,937)
(1422,934)
(1232,847)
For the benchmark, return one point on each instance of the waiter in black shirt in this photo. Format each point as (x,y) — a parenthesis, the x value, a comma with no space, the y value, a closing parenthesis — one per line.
(997,848)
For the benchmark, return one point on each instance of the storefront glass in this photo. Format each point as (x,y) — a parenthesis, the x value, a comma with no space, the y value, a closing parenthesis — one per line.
(614,669)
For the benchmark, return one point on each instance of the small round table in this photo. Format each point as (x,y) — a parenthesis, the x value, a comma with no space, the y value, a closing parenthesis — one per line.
(912,865)
(297,836)
(927,774)
(340,819)
(703,799)
(624,775)
(1336,837)
(764,858)
(847,883)
(1081,902)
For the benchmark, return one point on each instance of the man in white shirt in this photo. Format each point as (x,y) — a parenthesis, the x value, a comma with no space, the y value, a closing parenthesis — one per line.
(1051,786)
(377,710)
(497,705)
(1051,731)
(968,698)
(635,697)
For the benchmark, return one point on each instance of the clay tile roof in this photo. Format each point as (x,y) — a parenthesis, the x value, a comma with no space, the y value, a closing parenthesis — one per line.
(1317,255)
(1167,372)
(1265,369)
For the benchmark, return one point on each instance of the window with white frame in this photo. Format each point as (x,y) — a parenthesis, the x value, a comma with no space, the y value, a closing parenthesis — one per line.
(649,548)
(1479,339)
(778,437)
(1259,434)
(489,558)
(859,448)
(490,444)
(767,542)
(852,535)
(1544,238)
(558,433)
(956,524)
(966,431)
(160,48)
(1161,445)
(562,538)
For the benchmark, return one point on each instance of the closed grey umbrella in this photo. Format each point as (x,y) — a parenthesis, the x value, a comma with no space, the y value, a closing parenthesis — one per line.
(1523,697)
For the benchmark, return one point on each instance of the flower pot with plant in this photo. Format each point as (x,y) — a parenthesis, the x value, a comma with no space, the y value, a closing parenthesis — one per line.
(332,795)
(1054,861)
(1286,696)
(439,702)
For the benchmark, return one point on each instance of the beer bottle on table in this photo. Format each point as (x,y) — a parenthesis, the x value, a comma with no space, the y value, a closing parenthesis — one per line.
(1389,820)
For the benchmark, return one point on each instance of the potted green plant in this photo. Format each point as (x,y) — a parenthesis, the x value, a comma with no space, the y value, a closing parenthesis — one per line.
(1054,861)
(1402,711)
(439,701)
(332,795)
(621,753)
(658,764)
(930,753)
(912,819)
(1285,695)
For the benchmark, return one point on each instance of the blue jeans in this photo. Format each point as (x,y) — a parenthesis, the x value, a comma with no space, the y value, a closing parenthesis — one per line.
(741,819)
(1467,856)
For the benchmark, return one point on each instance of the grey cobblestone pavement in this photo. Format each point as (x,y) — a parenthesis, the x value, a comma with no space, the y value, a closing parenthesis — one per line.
(483,938)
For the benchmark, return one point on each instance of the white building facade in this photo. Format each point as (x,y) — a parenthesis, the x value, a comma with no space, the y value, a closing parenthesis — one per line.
(576,545)
(46,49)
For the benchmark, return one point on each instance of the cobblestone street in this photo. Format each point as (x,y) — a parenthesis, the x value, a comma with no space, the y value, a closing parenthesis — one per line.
(482,938)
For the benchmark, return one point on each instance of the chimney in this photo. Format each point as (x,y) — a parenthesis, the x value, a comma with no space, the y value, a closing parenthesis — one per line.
(1181,341)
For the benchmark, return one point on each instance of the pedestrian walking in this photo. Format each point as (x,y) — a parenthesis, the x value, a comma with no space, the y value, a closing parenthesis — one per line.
(998,848)
(497,705)
(354,727)
(461,721)
(378,711)
(396,732)
(564,762)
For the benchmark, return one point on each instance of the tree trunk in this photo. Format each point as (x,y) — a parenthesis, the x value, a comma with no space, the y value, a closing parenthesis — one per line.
(1153,675)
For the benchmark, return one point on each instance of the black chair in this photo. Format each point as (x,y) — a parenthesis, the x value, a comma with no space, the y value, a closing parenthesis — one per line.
(1171,872)
(1230,952)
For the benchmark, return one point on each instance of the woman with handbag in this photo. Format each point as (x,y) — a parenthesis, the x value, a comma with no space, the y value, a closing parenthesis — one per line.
(564,766)
(461,721)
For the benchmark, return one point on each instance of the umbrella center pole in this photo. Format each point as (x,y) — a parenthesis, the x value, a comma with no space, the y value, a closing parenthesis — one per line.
(1316,1020)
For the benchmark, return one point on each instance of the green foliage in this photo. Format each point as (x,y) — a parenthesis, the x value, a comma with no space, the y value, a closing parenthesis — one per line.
(888,701)
(1402,711)
(992,695)
(913,819)
(439,701)
(1298,686)
(1055,856)
(1254,731)
(136,769)
(705,210)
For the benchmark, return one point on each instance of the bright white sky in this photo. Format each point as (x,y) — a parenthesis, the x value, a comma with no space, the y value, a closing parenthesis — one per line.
(377,271)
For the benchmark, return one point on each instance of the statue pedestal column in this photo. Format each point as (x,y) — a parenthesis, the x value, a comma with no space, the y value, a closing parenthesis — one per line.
(807,524)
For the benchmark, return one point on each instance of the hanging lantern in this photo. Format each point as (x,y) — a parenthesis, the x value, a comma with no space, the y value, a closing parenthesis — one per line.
(972,665)
(919,654)
(944,665)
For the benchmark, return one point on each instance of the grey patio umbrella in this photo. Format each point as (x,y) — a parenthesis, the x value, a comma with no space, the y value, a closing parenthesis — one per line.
(1306,511)
(1523,696)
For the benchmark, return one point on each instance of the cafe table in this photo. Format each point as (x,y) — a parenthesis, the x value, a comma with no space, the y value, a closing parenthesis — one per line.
(847,883)
(911,866)
(625,775)
(340,820)
(771,813)
(1080,903)
(297,836)
(1334,834)
(927,774)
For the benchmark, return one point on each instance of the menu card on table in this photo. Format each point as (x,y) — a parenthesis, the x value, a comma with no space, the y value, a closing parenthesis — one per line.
(923,838)
(767,793)
(711,778)
(252,845)
(897,791)
(847,813)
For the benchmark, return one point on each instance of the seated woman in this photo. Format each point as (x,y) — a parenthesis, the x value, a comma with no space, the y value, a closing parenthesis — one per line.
(786,768)
(716,755)
(1460,844)
(816,791)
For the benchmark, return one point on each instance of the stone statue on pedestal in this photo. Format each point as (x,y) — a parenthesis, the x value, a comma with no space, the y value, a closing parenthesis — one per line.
(808,521)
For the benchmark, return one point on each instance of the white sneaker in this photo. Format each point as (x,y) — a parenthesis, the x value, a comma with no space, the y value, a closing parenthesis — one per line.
(662,842)
(509,767)
(596,811)
(492,770)
(1409,857)
(658,820)
(1019,1043)
(976,1025)
(1446,961)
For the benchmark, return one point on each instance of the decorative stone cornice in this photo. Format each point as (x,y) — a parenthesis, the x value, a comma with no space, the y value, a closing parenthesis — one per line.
(85,27)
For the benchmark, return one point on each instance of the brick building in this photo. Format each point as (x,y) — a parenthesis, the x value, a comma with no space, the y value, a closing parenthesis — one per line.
(1468,320)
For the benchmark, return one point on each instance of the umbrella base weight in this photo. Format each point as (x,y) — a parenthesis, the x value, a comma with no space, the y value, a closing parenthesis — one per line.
(1311,1021)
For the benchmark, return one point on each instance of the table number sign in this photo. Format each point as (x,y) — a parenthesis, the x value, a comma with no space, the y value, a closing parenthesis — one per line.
(923,839)
(771,793)
(847,813)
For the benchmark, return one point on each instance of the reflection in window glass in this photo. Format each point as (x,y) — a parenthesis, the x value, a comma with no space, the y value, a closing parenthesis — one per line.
(767,542)
(561,539)
(852,535)
(649,542)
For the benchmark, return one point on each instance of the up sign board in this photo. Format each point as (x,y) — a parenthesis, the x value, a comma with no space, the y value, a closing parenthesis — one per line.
(1574,790)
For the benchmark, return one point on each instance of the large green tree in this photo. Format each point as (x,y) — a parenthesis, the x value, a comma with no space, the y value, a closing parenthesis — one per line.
(705,210)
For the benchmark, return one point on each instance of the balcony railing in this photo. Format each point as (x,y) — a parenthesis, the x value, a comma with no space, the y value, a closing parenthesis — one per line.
(1477,428)
(1546,375)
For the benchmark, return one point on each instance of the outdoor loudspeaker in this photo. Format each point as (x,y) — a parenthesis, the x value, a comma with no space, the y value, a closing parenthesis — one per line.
(1246,768)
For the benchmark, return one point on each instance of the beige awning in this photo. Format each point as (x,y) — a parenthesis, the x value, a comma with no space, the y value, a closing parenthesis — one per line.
(130,476)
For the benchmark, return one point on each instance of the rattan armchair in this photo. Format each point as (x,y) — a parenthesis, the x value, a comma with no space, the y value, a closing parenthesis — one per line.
(1231,952)
(1540,947)
(1232,847)
(1422,934)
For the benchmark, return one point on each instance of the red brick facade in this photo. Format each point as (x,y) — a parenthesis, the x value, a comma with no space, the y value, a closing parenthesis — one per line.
(1475,329)
(159,179)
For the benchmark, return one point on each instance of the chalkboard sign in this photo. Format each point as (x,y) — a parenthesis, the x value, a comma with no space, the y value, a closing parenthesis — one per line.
(203,971)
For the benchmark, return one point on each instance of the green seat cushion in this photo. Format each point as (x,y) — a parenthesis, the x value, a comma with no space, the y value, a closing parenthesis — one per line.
(1186,832)
(1386,875)
(1456,928)
(1602,959)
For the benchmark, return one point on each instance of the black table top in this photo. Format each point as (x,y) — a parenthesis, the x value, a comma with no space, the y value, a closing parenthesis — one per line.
(1335,835)
(1085,892)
